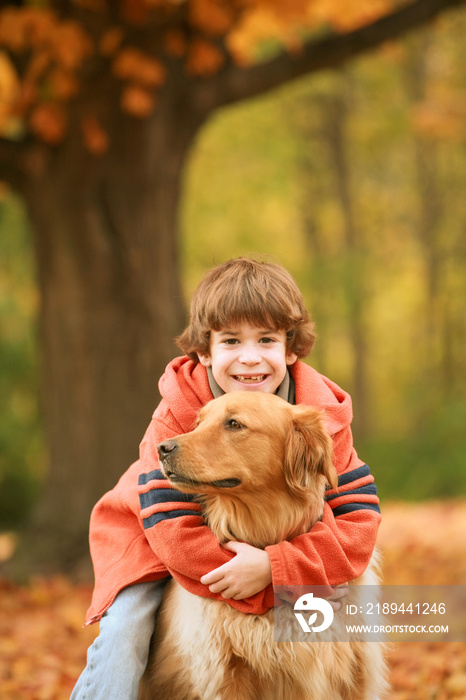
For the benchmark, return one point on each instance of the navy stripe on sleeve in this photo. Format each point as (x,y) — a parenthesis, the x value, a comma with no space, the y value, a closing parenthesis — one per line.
(154,475)
(361,497)
(158,517)
(370,489)
(350,507)
(354,475)
(154,496)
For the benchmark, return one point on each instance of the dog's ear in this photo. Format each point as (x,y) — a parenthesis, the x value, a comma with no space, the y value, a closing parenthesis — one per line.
(308,450)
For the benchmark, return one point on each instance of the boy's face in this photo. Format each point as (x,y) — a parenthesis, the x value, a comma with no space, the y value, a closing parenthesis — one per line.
(246,358)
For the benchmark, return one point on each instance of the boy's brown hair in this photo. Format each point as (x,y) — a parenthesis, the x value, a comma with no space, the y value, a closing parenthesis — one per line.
(245,290)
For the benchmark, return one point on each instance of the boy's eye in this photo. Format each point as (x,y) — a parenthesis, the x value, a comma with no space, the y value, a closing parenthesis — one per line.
(231,341)
(267,340)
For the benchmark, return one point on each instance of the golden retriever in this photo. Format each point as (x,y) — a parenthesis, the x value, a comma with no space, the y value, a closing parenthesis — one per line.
(262,467)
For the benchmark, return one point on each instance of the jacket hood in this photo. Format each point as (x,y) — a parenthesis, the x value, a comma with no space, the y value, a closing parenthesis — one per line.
(316,390)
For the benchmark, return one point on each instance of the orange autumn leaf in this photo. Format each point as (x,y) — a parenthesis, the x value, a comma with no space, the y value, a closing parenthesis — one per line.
(70,45)
(175,43)
(203,58)
(38,64)
(135,12)
(12,30)
(137,101)
(63,84)
(213,17)
(137,66)
(111,41)
(95,138)
(38,24)
(48,121)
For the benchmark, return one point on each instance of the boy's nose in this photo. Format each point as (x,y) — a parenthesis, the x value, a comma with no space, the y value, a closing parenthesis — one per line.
(250,355)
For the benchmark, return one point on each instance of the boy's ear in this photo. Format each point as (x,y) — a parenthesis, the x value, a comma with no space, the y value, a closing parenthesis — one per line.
(308,452)
(204,360)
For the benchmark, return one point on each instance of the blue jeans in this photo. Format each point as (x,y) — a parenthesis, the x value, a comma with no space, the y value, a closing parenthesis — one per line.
(118,657)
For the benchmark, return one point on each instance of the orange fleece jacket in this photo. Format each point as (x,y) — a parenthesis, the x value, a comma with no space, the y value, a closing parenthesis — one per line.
(144,529)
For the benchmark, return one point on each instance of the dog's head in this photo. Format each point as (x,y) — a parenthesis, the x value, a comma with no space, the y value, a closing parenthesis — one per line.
(249,442)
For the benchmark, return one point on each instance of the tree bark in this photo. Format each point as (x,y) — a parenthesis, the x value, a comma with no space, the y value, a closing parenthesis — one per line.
(431,209)
(336,115)
(111,306)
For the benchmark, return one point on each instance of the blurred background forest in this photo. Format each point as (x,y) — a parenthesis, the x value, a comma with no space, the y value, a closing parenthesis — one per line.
(354,180)
(130,143)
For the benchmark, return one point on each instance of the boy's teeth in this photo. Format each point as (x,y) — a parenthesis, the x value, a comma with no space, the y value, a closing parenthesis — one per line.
(250,380)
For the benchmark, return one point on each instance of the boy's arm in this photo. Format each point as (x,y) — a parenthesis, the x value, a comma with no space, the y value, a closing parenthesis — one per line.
(338,548)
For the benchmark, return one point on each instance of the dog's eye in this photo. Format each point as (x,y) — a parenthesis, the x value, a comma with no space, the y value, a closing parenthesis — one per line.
(233,424)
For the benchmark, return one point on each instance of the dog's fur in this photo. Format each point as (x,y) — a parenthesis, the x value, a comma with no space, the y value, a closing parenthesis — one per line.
(262,467)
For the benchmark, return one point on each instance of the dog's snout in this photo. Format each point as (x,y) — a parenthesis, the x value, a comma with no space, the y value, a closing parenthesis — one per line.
(167,447)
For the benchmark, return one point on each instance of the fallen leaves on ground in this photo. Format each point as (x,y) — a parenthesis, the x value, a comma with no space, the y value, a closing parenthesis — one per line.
(425,544)
(42,642)
(43,645)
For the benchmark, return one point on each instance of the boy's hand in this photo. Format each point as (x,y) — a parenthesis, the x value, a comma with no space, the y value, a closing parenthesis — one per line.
(245,575)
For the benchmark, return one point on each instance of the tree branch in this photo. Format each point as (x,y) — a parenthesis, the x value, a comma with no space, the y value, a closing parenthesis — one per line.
(237,83)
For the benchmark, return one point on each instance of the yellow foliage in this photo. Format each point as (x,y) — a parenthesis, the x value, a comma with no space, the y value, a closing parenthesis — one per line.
(55,50)
(345,15)
(261,23)
(9,90)
(272,19)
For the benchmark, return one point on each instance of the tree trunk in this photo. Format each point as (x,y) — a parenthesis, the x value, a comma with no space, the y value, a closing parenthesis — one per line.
(430,213)
(111,305)
(335,115)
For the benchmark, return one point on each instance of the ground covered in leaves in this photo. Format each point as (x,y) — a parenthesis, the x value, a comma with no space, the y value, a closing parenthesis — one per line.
(43,646)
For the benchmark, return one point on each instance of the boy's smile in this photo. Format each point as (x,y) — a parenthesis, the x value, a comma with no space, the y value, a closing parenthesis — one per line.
(247,358)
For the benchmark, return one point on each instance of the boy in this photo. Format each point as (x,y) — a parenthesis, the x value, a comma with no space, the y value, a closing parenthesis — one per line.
(248,329)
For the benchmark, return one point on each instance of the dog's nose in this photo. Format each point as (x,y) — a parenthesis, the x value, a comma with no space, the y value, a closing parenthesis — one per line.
(166,448)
